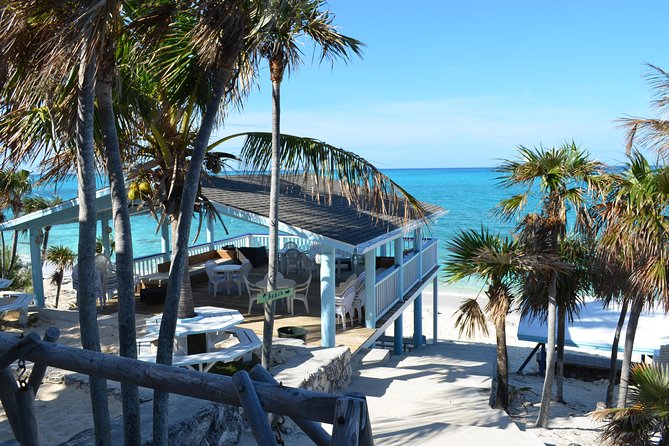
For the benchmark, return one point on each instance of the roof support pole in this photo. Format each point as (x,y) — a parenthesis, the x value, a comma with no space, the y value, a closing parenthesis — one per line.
(370,289)
(105,232)
(418,321)
(382,250)
(399,263)
(36,265)
(165,246)
(328,321)
(435,309)
(210,230)
(398,339)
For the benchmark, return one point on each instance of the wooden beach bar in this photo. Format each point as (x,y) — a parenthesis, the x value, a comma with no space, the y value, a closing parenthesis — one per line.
(398,257)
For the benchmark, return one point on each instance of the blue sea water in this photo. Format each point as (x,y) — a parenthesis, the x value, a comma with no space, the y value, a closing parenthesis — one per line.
(468,194)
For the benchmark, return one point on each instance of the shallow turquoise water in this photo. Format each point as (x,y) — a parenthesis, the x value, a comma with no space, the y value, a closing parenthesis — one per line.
(468,195)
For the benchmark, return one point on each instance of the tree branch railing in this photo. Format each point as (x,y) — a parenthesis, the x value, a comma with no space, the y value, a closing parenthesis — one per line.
(347,413)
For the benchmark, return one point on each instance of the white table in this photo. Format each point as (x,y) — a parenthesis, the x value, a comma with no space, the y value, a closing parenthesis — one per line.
(209,320)
(227,269)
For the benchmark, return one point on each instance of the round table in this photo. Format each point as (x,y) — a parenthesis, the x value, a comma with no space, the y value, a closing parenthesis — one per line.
(227,269)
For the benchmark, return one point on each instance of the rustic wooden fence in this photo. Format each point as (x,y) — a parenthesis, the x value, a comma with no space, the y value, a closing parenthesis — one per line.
(256,392)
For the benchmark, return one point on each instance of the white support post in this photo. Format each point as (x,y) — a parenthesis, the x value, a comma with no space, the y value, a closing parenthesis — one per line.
(418,321)
(435,309)
(370,289)
(210,230)
(399,263)
(105,231)
(328,322)
(382,250)
(36,265)
(165,246)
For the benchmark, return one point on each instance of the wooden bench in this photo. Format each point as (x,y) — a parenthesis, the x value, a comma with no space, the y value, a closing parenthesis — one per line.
(248,341)
(195,266)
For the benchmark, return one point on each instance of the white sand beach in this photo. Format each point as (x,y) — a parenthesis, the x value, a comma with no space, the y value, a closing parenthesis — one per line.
(64,405)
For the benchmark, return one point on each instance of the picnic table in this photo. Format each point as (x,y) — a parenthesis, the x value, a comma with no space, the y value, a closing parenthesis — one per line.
(219,327)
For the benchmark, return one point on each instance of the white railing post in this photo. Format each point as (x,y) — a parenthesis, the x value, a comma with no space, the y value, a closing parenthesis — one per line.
(328,322)
(211,236)
(36,265)
(418,246)
(399,264)
(370,289)
(165,241)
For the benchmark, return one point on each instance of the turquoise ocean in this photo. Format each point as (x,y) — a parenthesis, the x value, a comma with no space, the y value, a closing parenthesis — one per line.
(468,194)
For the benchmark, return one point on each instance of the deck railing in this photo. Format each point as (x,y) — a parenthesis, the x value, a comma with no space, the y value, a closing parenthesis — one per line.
(430,255)
(386,291)
(411,271)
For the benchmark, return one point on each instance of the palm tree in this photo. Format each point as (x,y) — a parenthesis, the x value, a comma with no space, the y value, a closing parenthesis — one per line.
(285,23)
(561,174)
(636,236)
(34,204)
(479,254)
(62,258)
(14,186)
(50,52)
(646,420)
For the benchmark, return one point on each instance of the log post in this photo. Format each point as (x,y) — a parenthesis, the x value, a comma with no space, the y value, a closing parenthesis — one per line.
(346,424)
(313,430)
(8,389)
(25,398)
(366,437)
(39,369)
(22,346)
(248,398)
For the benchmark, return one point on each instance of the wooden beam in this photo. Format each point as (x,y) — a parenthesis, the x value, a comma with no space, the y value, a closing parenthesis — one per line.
(346,425)
(255,414)
(39,369)
(313,430)
(25,398)
(8,389)
(435,309)
(36,265)
(370,289)
(207,386)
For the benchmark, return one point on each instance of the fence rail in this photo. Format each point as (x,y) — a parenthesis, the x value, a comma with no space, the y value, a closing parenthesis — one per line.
(304,406)
(411,274)
(386,291)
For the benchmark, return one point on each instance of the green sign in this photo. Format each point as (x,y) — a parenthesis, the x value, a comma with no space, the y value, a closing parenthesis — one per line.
(275,295)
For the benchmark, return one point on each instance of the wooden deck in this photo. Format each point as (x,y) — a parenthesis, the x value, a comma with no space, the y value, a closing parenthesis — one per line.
(353,337)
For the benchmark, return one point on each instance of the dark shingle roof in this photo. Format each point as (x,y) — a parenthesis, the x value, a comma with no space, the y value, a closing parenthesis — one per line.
(334,219)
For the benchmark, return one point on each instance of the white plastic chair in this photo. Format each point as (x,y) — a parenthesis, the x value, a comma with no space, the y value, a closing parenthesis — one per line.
(244,271)
(339,291)
(301,294)
(215,279)
(292,258)
(344,305)
(253,292)
(290,245)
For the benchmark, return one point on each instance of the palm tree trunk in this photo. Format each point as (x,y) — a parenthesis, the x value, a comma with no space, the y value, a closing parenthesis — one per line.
(90,338)
(613,367)
(273,262)
(58,285)
(15,245)
(180,252)
(502,397)
(561,329)
(635,312)
(547,394)
(45,242)
(186,307)
(123,249)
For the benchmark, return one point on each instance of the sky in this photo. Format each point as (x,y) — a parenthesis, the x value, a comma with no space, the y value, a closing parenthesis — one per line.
(447,83)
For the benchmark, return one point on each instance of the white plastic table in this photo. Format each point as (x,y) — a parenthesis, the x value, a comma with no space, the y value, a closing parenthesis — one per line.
(227,269)
(209,320)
